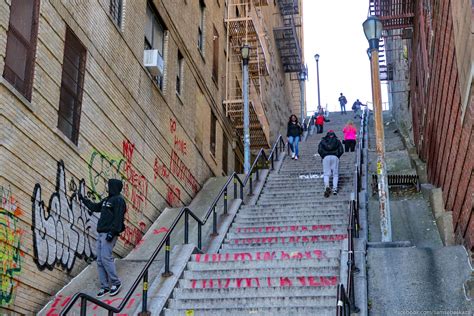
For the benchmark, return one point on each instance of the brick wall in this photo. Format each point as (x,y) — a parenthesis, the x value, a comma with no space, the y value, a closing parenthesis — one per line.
(442,105)
(157,141)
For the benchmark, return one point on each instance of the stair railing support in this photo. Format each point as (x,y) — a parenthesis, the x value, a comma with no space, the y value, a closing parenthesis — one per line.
(167,272)
(214,223)
(186,227)
(199,235)
(225,201)
(145,311)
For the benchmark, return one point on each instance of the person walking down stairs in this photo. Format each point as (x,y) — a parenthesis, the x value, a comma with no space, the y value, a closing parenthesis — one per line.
(330,149)
(293,133)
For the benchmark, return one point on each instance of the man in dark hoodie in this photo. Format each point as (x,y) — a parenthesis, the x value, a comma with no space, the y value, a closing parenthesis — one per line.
(330,149)
(110,225)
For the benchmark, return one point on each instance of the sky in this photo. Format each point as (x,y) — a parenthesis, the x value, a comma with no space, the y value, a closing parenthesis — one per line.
(333,29)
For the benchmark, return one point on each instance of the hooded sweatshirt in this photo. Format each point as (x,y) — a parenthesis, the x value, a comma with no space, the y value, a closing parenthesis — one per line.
(112,209)
(330,146)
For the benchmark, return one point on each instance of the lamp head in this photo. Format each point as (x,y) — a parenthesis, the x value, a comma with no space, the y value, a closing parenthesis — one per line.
(245,52)
(316,57)
(373,31)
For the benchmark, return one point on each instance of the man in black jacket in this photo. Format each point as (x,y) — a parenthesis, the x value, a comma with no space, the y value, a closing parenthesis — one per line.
(110,225)
(330,149)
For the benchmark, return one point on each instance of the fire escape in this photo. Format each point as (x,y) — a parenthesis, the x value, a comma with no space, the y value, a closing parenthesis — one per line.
(288,41)
(244,26)
(397,16)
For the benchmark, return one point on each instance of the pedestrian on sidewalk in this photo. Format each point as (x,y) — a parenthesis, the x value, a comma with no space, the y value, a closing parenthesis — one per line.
(350,136)
(319,123)
(293,134)
(342,101)
(330,149)
(111,223)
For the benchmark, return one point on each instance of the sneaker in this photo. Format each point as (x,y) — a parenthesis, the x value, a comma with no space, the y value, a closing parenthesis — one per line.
(293,155)
(115,289)
(334,191)
(327,192)
(296,157)
(102,292)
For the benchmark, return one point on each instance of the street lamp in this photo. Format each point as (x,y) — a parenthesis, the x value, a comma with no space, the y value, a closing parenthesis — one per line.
(373,31)
(303,75)
(316,57)
(245,54)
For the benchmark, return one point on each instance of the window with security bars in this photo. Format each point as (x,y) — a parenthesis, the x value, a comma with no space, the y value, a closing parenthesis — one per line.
(115,10)
(21,45)
(72,82)
(213,134)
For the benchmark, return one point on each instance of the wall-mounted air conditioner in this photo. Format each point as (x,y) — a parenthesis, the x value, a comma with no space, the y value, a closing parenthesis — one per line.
(153,61)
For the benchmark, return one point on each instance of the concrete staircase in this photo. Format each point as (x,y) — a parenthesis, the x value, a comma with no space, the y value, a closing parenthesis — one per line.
(280,256)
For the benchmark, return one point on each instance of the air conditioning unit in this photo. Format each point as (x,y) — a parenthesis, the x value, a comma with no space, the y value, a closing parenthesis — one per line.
(153,61)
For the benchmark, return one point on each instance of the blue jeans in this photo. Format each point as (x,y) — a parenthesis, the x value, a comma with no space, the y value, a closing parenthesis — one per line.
(293,141)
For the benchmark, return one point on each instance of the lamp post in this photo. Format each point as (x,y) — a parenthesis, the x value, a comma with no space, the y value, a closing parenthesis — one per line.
(245,53)
(302,77)
(316,57)
(373,31)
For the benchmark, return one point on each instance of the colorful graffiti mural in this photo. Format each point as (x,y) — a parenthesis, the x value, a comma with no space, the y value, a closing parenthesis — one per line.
(64,230)
(10,240)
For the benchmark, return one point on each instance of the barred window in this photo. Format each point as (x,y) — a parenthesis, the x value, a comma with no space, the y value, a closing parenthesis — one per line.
(202,8)
(213,134)
(179,74)
(115,10)
(21,45)
(215,56)
(72,83)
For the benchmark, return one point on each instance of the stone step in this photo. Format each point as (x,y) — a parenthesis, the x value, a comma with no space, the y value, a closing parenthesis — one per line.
(319,280)
(272,215)
(303,237)
(325,301)
(232,247)
(305,220)
(312,253)
(316,197)
(274,291)
(262,264)
(233,235)
(261,311)
(292,210)
(237,229)
(311,203)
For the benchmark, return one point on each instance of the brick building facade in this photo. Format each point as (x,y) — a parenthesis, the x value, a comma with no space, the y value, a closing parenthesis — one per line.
(78,106)
(431,94)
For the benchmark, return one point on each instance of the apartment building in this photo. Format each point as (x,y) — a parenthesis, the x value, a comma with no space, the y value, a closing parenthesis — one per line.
(137,90)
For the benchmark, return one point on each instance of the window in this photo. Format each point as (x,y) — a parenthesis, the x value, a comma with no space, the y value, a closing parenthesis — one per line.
(21,45)
(215,56)
(179,74)
(225,149)
(202,7)
(72,82)
(155,36)
(213,134)
(115,10)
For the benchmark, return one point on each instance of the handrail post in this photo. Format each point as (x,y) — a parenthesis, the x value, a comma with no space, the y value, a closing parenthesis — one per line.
(199,236)
(145,311)
(186,227)
(235,187)
(277,151)
(214,222)
(83,306)
(272,168)
(251,184)
(225,201)
(258,177)
(241,192)
(167,272)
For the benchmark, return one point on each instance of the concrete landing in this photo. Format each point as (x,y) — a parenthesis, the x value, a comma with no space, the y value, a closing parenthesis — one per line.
(424,281)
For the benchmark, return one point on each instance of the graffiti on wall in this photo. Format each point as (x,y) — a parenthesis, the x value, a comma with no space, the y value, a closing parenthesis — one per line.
(64,230)
(10,240)
(101,168)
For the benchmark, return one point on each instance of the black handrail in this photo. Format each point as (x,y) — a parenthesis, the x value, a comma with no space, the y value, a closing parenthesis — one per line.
(143,275)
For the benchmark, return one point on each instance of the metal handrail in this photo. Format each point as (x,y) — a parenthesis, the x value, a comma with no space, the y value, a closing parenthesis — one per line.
(143,275)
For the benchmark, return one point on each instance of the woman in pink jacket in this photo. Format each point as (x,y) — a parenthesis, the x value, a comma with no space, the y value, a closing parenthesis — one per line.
(350,135)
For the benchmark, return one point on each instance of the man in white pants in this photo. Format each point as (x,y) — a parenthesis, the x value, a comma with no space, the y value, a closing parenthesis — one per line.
(330,149)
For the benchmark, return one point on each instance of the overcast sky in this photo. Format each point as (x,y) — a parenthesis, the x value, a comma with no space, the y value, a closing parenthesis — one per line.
(333,29)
